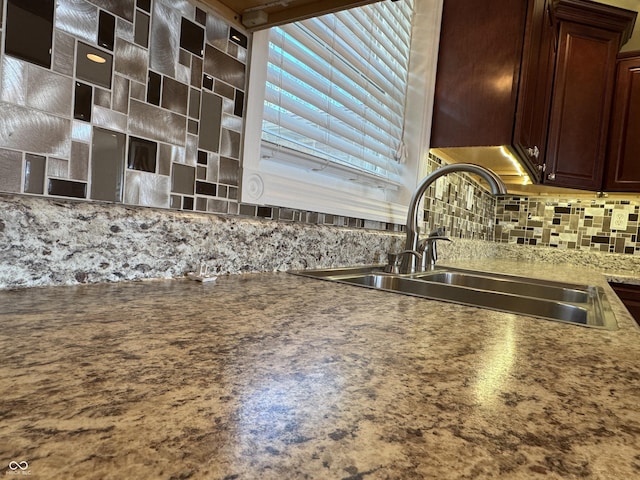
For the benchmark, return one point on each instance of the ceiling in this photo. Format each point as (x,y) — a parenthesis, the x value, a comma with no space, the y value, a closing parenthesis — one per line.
(259,14)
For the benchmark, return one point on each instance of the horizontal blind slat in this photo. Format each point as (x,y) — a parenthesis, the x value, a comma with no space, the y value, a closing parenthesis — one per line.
(336,86)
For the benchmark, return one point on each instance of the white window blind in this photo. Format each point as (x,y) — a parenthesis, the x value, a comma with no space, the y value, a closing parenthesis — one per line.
(336,88)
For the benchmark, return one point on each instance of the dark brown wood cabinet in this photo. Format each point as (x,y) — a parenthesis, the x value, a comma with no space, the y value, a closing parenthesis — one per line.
(590,36)
(478,72)
(630,296)
(534,92)
(623,155)
(534,75)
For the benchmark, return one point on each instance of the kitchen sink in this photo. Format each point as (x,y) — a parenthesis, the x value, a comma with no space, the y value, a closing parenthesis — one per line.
(583,305)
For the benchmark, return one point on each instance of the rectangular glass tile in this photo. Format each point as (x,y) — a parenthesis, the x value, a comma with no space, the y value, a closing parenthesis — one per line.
(106,30)
(183,179)
(107,165)
(174,96)
(141,29)
(29,31)
(34,173)
(207,82)
(205,188)
(142,154)
(97,71)
(184,58)
(194,103)
(224,90)
(236,37)
(238,110)
(10,170)
(153,88)
(192,127)
(191,37)
(210,121)
(67,188)
(138,91)
(201,16)
(82,103)
(187,203)
(217,206)
(196,72)
(144,5)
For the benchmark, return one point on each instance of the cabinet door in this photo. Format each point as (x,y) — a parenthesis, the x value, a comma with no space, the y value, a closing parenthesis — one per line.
(536,82)
(623,156)
(478,71)
(581,103)
(630,296)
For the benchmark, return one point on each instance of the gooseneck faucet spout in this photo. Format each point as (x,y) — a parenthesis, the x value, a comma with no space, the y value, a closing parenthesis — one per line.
(409,263)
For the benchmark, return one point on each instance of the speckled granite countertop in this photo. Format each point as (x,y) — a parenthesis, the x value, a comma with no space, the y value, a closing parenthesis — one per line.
(274,376)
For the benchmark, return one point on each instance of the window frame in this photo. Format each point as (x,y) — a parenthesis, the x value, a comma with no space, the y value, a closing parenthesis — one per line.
(270,177)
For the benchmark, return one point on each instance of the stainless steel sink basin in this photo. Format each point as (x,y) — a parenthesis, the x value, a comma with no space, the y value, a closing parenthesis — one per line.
(576,304)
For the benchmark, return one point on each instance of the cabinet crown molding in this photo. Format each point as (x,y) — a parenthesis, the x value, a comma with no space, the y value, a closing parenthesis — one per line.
(598,15)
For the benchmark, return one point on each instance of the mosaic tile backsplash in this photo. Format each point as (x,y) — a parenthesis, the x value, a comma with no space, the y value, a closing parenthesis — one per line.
(135,101)
(157,121)
(601,225)
(459,204)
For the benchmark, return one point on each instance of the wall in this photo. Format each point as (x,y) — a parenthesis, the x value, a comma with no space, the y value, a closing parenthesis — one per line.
(569,223)
(158,124)
(63,242)
(133,172)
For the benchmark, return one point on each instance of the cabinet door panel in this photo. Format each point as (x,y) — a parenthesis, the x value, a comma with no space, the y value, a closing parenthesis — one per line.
(536,81)
(623,172)
(585,71)
(478,71)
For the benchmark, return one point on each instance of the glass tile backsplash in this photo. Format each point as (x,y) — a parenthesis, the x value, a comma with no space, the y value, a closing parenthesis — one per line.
(142,103)
(117,106)
(601,225)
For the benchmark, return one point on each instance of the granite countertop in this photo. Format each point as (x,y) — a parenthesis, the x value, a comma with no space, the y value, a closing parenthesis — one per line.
(275,376)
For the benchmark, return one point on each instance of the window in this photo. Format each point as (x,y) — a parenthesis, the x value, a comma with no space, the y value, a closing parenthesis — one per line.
(326,112)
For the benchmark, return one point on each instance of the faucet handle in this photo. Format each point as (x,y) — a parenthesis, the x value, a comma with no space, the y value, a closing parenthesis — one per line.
(394,258)
(428,246)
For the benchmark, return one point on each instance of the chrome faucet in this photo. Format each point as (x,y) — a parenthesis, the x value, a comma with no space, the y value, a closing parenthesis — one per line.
(412,255)
(429,249)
